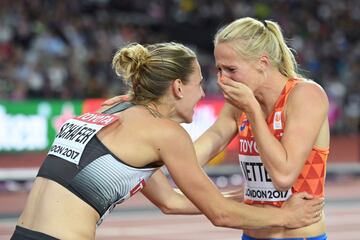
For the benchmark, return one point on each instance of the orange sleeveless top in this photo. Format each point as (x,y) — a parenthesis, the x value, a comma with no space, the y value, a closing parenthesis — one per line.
(258,185)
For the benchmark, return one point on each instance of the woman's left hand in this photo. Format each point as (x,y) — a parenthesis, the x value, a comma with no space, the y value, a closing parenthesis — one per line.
(114,100)
(238,94)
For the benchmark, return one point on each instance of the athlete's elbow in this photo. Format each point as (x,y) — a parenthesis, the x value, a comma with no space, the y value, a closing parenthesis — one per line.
(222,219)
(283,184)
(166,210)
(219,221)
(282,188)
(169,208)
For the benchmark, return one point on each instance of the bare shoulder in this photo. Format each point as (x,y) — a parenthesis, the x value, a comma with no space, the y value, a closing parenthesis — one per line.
(172,140)
(308,91)
(171,131)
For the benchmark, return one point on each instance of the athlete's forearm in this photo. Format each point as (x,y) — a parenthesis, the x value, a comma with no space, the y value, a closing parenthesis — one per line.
(272,152)
(218,136)
(249,217)
(180,204)
(170,201)
(208,146)
(299,211)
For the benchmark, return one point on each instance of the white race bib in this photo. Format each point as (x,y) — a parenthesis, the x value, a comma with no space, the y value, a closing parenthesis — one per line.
(259,186)
(73,136)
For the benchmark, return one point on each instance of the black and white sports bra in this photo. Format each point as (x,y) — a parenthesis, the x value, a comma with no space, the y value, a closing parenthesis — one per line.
(80,162)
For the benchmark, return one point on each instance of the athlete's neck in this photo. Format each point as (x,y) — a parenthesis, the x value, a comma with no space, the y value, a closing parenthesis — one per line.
(269,92)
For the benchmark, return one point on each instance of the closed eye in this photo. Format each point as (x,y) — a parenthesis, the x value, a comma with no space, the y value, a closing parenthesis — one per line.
(226,69)
(230,69)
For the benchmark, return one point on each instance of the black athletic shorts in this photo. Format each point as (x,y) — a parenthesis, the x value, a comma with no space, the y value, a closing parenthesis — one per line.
(27,234)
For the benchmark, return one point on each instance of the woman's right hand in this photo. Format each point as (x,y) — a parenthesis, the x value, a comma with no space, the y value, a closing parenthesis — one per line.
(303,209)
(114,100)
(238,94)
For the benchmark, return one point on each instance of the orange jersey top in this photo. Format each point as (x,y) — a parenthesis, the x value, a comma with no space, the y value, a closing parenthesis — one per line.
(259,188)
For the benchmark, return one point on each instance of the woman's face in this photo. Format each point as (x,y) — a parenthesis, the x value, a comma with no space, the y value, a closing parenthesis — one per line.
(192,92)
(231,65)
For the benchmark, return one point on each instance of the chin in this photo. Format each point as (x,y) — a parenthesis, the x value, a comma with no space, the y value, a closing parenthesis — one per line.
(188,120)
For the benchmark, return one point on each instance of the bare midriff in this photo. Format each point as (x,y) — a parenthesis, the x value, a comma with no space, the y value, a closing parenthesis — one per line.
(55,211)
(313,230)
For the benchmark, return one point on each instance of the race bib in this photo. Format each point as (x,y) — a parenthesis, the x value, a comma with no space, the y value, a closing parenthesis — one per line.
(73,136)
(259,186)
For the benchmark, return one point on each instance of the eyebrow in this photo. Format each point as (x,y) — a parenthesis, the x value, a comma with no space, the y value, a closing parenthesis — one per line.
(225,66)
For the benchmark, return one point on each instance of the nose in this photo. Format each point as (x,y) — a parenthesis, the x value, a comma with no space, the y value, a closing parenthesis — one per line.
(222,75)
(219,75)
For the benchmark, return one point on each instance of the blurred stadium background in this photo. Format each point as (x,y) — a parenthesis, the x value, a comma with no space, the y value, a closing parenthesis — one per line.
(55,62)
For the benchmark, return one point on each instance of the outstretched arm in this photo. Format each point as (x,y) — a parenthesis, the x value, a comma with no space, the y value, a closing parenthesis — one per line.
(171,200)
(181,162)
(212,141)
(159,191)
(218,136)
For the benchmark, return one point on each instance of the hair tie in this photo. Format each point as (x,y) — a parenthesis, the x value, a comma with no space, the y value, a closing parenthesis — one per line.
(264,23)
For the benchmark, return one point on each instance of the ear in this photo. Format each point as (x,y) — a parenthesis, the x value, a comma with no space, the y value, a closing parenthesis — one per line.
(263,63)
(177,88)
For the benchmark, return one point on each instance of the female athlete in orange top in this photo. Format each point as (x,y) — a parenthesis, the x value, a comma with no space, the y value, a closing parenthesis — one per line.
(280,117)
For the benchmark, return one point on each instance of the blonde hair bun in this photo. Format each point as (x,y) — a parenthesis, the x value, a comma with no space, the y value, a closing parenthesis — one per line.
(129,61)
